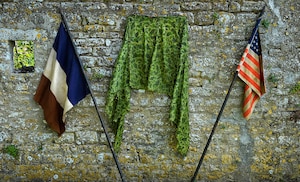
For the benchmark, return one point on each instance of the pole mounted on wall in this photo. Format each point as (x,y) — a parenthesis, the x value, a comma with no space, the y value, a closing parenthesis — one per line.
(223,106)
(93,98)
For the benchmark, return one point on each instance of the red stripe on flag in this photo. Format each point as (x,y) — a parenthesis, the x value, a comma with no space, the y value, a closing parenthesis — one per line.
(53,112)
(243,58)
(253,60)
(247,94)
(248,111)
(252,70)
(250,80)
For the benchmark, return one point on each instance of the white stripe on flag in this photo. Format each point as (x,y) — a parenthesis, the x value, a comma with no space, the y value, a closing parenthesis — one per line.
(59,87)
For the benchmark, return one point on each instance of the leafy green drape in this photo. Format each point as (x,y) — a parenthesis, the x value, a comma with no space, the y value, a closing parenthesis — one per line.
(154,57)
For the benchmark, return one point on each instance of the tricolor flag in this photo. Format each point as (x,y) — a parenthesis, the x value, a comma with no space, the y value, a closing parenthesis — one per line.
(250,70)
(62,83)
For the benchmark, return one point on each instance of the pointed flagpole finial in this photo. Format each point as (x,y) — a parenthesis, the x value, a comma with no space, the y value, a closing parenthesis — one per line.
(262,12)
(60,10)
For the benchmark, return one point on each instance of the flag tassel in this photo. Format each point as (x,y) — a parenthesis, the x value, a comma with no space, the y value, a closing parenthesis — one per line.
(94,100)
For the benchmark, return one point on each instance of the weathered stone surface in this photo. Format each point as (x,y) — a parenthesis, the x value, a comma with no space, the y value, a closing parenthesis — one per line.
(265,148)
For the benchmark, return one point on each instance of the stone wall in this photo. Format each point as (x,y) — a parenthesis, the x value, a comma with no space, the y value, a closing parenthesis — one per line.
(265,148)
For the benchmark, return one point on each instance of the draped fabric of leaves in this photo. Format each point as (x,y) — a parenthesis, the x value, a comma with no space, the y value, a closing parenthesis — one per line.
(154,57)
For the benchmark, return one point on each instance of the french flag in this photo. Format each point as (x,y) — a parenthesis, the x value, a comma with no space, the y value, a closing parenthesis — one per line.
(62,83)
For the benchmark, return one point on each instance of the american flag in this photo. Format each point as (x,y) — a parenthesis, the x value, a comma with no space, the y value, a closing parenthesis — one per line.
(250,70)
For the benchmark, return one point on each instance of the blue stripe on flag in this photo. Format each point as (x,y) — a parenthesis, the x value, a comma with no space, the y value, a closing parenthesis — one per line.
(77,85)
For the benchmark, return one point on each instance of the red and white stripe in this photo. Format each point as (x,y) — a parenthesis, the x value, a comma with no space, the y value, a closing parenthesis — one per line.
(250,71)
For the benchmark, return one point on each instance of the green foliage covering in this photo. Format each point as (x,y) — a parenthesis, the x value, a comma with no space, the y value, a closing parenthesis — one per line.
(96,76)
(23,54)
(215,16)
(154,57)
(265,23)
(273,78)
(11,150)
(295,89)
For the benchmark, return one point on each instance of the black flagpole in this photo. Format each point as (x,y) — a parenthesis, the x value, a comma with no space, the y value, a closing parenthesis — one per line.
(214,127)
(93,98)
(219,116)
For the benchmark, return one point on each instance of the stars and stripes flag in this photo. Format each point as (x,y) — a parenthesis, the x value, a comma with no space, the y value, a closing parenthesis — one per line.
(62,83)
(250,70)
